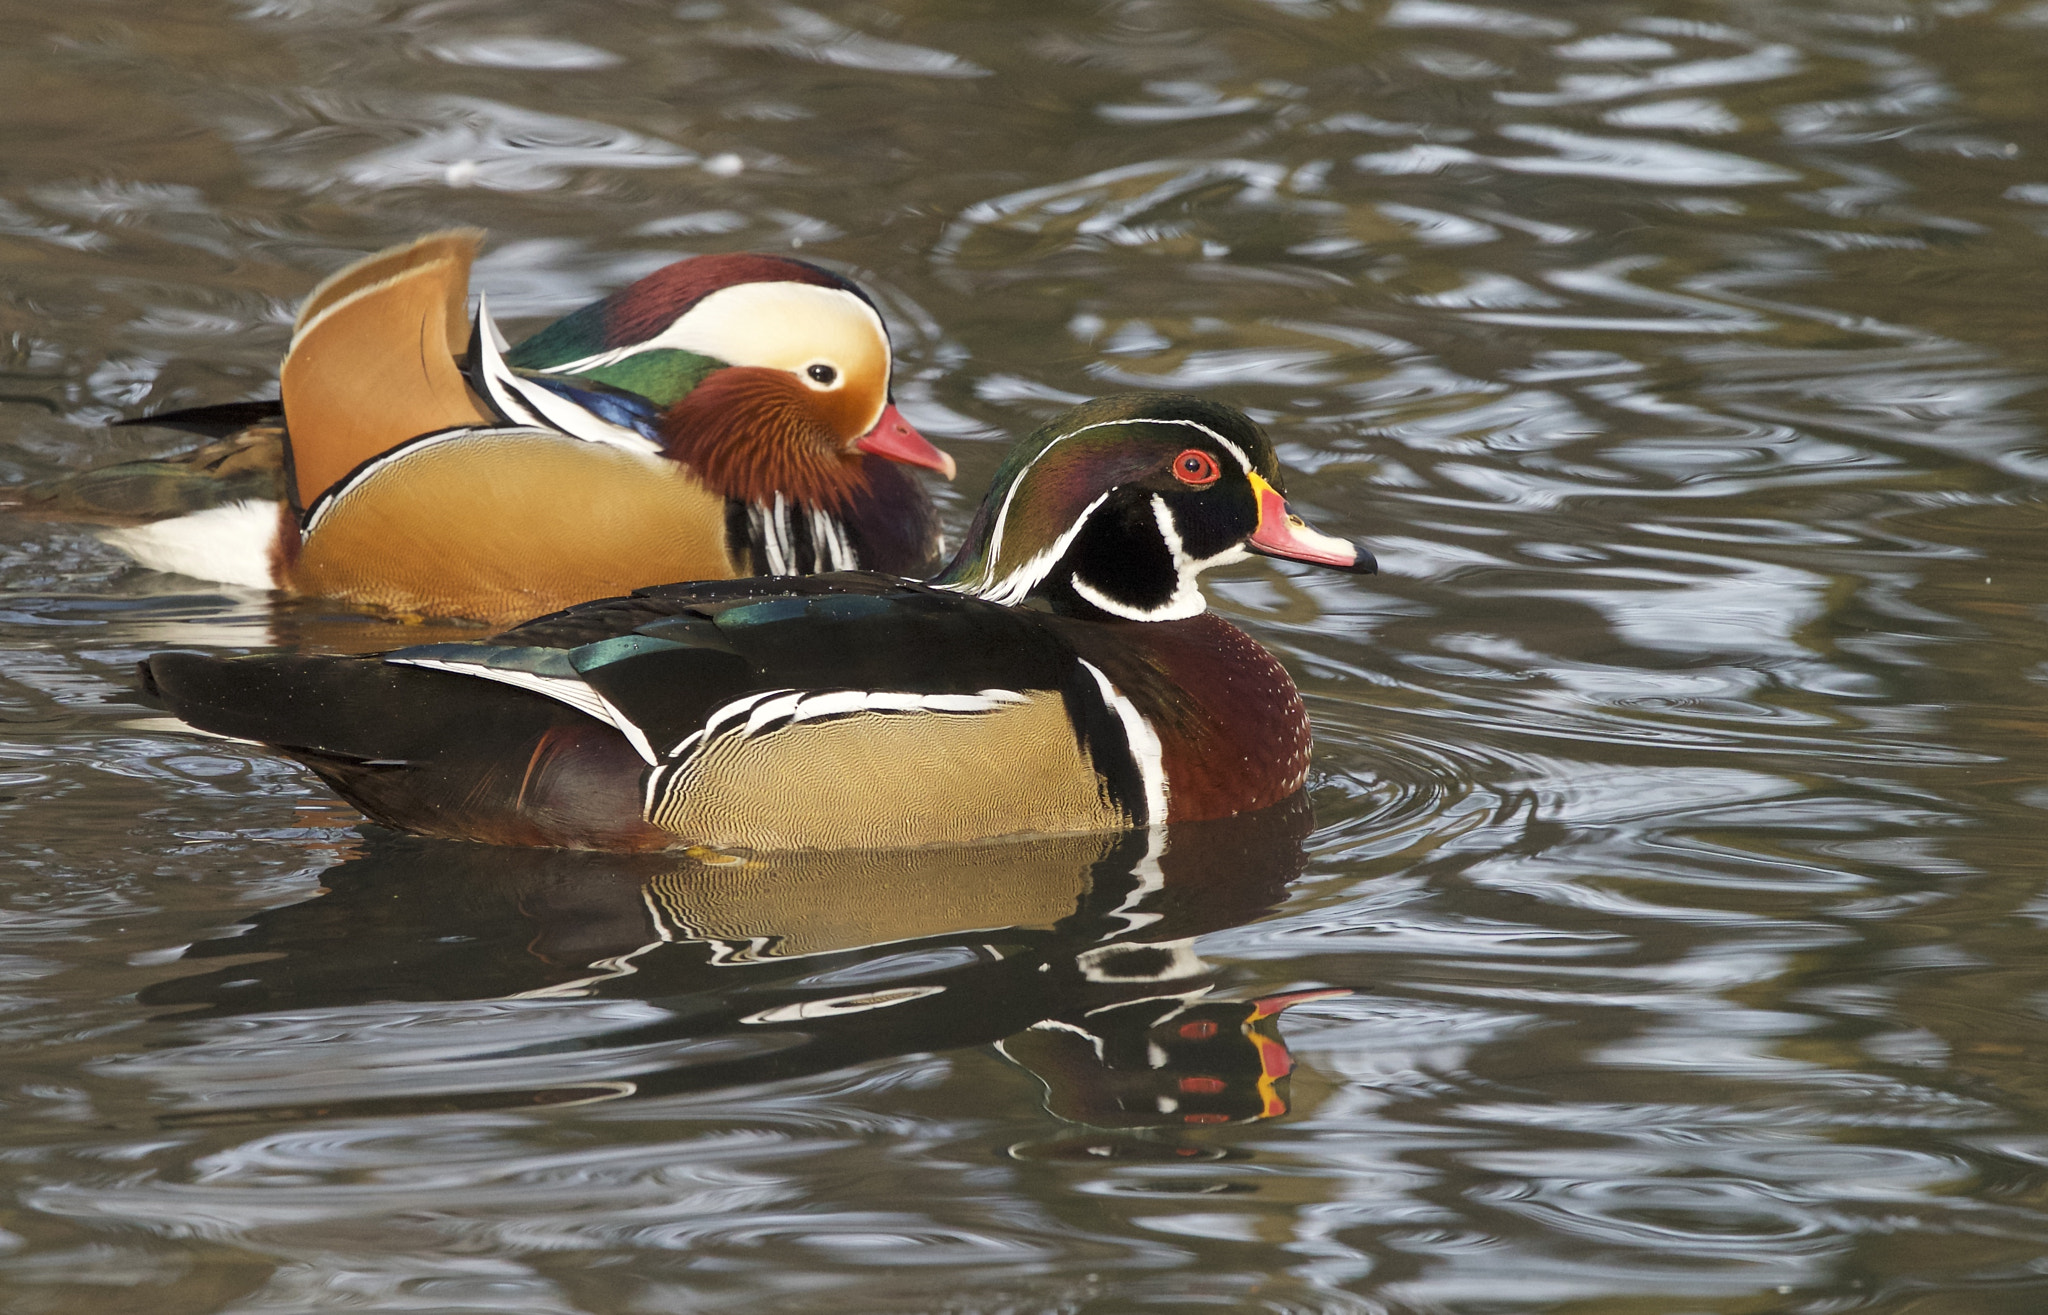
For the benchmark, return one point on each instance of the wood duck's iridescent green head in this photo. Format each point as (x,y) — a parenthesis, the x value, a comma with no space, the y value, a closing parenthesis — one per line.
(1115,508)
(771,374)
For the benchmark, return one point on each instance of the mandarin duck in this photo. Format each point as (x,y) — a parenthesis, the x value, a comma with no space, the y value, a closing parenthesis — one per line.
(1063,674)
(724,416)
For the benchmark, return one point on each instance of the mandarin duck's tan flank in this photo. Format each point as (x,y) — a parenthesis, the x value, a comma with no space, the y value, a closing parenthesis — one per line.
(724,416)
(850,710)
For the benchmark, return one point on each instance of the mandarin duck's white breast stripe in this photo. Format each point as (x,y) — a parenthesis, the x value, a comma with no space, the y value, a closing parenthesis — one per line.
(772,528)
(829,544)
(773,534)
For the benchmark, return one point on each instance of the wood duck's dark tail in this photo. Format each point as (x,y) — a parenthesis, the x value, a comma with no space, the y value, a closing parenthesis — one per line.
(426,751)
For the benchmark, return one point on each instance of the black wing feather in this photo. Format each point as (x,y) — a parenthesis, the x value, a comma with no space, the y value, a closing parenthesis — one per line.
(216,421)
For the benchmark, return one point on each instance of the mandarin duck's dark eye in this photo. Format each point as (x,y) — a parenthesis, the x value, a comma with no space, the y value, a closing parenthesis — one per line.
(1196,467)
(822,374)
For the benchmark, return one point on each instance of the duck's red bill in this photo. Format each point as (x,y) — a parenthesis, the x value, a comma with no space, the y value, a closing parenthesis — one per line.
(1281,533)
(892,437)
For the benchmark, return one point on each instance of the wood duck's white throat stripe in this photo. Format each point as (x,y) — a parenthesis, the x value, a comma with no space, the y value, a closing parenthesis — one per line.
(1186,599)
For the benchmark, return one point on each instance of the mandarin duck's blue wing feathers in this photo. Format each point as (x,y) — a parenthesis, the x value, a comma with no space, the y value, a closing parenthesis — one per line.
(624,409)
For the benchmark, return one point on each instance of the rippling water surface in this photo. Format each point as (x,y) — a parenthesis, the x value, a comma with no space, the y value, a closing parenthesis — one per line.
(1679,790)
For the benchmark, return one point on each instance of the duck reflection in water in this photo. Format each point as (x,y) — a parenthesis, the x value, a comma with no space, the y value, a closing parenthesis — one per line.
(1073,955)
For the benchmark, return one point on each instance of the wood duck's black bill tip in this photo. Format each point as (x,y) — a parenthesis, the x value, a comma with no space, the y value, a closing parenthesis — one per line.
(1281,533)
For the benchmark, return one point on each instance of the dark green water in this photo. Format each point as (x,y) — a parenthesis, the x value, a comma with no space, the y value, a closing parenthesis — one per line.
(1680,785)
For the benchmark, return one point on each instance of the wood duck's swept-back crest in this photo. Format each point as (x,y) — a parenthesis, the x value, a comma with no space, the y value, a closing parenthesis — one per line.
(850,710)
(726,415)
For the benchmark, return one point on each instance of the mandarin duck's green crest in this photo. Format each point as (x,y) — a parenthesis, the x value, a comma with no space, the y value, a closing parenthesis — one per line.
(1118,505)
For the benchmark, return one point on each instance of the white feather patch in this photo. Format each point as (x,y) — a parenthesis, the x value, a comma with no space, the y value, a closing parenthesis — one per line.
(525,402)
(1144,742)
(752,714)
(230,544)
(1012,587)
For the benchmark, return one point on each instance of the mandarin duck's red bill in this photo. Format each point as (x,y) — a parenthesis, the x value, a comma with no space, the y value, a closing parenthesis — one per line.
(724,416)
(892,437)
(848,710)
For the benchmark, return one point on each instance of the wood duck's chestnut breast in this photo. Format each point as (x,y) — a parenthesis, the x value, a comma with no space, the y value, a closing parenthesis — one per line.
(1233,734)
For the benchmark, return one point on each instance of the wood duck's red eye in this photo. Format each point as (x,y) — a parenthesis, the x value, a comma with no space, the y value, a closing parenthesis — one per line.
(1196,467)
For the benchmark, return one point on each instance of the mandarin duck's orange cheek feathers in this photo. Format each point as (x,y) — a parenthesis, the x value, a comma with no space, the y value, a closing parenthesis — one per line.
(752,433)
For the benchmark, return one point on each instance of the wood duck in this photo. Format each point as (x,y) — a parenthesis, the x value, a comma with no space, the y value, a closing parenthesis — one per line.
(724,416)
(1061,675)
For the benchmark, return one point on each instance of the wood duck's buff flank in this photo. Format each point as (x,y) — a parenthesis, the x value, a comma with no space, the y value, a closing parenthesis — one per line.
(724,416)
(850,710)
